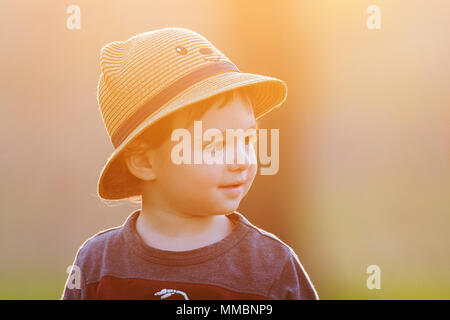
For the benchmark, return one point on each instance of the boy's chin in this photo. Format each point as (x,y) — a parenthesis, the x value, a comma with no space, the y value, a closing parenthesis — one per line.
(228,207)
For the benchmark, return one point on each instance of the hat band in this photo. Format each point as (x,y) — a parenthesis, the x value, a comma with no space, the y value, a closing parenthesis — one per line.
(165,95)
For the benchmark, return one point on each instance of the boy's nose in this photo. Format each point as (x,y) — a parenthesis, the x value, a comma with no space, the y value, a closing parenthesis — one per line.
(240,158)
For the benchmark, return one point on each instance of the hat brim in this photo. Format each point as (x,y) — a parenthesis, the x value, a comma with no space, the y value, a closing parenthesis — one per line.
(266,94)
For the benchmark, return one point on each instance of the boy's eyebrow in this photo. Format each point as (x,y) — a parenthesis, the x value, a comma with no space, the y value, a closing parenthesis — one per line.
(251,127)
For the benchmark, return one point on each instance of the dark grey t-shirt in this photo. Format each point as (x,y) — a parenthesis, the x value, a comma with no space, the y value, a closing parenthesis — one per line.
(249,263)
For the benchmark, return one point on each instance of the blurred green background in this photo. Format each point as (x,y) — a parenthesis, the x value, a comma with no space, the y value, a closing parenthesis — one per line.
(364,172)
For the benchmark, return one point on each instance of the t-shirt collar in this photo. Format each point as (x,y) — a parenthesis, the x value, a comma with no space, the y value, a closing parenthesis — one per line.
(136,244)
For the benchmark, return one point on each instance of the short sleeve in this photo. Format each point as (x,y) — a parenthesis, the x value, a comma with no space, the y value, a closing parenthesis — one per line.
(293,283)
(75,287)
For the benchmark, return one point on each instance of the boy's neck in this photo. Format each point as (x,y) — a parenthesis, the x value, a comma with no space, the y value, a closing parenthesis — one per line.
(178,232)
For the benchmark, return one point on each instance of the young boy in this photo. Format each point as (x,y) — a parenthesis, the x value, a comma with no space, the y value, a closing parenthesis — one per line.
(187,241)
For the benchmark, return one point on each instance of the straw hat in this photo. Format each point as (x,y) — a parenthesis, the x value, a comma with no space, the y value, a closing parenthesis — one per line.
(155,73)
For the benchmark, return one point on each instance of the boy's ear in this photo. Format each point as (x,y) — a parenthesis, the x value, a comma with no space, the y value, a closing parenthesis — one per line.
(140,165)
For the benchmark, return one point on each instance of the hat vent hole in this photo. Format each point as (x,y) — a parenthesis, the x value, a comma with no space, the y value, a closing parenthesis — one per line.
(181,50)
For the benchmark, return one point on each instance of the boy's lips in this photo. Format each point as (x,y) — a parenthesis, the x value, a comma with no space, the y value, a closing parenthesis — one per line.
(233,184)
(234,189)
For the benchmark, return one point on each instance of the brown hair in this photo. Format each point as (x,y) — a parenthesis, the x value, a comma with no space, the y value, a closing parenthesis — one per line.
(158,132)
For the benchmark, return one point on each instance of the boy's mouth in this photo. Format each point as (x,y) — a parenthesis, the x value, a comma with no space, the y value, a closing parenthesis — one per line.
(233,185)
(232,190)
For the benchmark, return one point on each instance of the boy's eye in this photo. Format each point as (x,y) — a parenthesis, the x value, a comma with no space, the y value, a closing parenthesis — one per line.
(218,145)
(221,144)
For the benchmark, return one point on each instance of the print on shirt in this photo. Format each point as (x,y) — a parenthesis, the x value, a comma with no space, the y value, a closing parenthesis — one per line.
(169,292)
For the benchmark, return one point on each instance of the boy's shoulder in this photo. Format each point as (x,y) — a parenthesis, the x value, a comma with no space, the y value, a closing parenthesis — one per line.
(95,245)
(264,241)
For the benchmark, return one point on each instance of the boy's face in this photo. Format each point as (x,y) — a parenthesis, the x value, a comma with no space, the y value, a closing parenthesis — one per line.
(199,189)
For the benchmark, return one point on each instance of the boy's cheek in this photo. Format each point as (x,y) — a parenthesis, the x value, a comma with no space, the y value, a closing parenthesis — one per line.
(204,174)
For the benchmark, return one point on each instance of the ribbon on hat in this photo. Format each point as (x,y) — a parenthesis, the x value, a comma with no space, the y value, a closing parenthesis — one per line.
(165,95)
